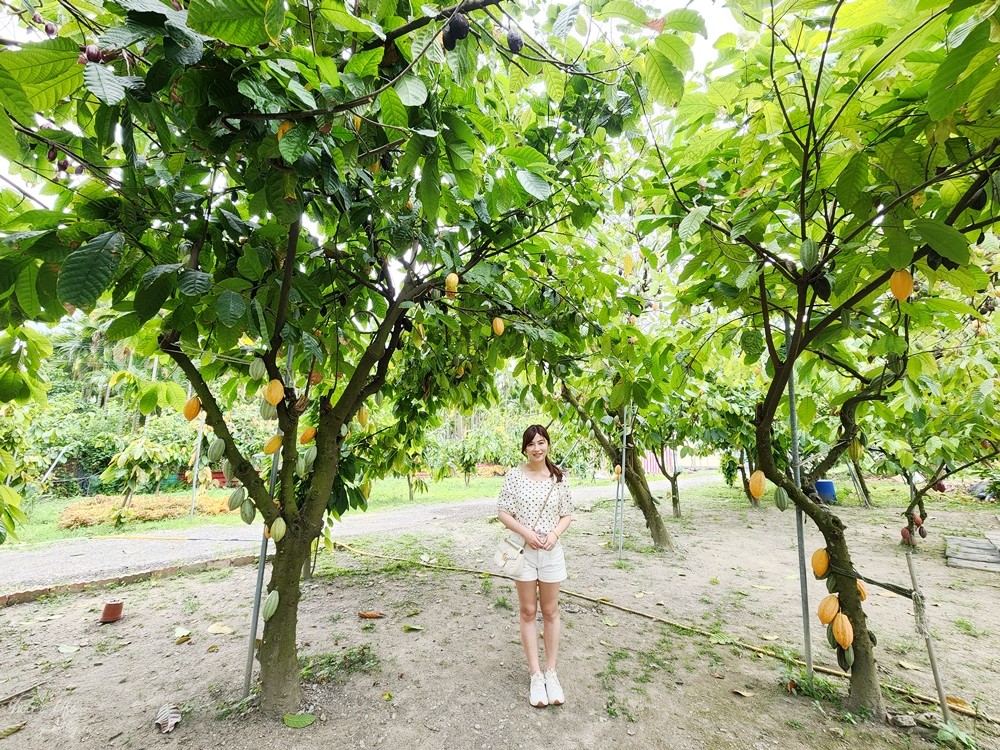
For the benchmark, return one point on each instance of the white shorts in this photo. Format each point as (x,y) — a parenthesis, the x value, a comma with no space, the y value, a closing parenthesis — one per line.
(543,565)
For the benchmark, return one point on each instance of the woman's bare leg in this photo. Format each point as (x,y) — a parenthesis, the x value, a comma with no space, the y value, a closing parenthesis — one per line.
(527,597)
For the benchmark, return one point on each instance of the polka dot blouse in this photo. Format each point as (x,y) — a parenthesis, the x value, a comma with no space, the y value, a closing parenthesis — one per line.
(523,497)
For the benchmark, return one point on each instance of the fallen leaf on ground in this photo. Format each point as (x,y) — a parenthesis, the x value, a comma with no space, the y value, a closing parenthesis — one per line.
(888,594)
(907,665)
(769,637)
(370,615)
(763,587)
(718,675)
(12,729)
(412,628)
(167,718)
(181,635)
(744,693)
(298,721)
(661,604)
(64,649)
(951,700)
(387,696)
(640,595)
(218,628)
(610,623)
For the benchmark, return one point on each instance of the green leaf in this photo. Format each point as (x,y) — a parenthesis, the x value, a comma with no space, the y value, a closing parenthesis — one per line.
(555,82)
(623,9)
(87,272)
(430,187)
(365,64)
(13,98)
(337,14)
(664,81)
(295,142)
(298,721)
(676,50)
(230,307)
(412,91)
(565,20)
(26,289)
(946,240)
(393,110)
(526,157)
(691,223)
(194,283)
(274,19)
(853,180)
(685,19)
(47,72)
(102,82)
(239,22)
(534,184)
(10,149)
(123,327)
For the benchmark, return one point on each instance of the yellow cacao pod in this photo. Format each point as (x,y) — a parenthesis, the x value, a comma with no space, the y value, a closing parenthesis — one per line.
(901,284)
(273,444)
(843,631)
(451,284)
(274,392)
(821,563)
(829,607)
(498,326)
(855,449)
(307,434)
(628,264)
(363,416)
(192,408)
(618,470)
(862,591)
(278,529)
(757,483)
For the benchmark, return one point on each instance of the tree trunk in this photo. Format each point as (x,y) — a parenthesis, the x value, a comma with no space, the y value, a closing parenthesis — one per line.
(281,692)
(638,487)
(865,696)
(675,495)
(409,486)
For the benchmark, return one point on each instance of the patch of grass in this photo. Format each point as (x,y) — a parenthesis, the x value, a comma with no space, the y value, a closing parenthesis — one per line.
(486,586)
(964,626)
(339,666)
(624,565)
(190,605)
(109,646)
(614,705)
(796,681)
(503,603)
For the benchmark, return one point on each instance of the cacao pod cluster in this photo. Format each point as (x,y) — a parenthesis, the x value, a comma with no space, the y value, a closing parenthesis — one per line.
(839,631)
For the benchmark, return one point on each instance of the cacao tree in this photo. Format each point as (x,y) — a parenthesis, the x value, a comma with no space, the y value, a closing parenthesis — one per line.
(313,202)
(826,152)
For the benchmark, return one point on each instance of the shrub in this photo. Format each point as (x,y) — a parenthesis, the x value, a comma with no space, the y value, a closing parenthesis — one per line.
(94,511)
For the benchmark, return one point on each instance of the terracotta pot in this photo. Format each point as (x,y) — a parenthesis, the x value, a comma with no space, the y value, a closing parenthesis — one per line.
(112,611)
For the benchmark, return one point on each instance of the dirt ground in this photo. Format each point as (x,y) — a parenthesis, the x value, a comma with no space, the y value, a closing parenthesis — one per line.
(444,667)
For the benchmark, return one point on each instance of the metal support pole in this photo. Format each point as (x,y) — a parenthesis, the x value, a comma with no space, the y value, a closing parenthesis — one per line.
(262,557)
(197,462)
(793,424)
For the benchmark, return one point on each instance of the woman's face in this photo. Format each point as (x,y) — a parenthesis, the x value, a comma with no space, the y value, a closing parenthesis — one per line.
(537,449)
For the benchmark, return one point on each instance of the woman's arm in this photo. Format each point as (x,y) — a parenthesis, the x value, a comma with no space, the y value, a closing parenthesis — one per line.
(552,538)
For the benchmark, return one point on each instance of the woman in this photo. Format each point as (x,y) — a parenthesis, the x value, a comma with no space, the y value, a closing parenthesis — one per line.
(535,502)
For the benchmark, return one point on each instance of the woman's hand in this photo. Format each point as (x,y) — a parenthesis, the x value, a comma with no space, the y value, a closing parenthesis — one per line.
(534,541)
(550,542)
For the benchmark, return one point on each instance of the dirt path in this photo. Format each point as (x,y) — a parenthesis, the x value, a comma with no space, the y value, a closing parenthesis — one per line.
(444,668)
(30,567)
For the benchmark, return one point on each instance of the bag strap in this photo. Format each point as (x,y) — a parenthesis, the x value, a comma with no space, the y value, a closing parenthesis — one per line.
(546,502)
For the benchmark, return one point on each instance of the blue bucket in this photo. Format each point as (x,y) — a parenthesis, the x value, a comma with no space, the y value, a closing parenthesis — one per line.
(826,491)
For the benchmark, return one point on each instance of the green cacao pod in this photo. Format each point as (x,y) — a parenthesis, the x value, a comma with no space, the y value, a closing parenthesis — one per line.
(842,659)
(227,470)
(309,456)
(809,254)
(271,605)
(257,369)
(780,498)
(829,636)
(237,497)
(831,583)
(278,529)
(300,465)
(849,656)
(855,450)
(267,411)
(216,449)
(248,511)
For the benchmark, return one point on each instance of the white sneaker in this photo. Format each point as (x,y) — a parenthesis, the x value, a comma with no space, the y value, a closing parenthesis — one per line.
(553,689)
(538,696)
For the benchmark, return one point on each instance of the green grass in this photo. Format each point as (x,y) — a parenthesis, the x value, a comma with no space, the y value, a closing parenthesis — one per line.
(387,494)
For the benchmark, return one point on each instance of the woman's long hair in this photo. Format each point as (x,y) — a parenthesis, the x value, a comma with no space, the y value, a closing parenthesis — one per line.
(530,434)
